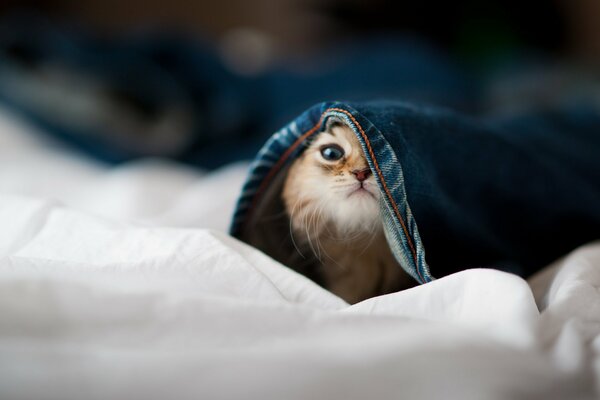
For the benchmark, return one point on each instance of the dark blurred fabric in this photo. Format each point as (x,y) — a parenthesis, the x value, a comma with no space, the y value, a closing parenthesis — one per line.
(150,94)
(147,93)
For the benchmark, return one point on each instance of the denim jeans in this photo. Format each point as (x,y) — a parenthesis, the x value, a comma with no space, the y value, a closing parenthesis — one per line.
(458,192)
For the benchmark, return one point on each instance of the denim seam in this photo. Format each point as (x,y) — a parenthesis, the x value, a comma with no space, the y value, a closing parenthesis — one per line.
(387,191)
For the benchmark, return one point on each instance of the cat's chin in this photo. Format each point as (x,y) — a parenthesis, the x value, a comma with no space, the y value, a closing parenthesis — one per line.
(362,192)
(358,212)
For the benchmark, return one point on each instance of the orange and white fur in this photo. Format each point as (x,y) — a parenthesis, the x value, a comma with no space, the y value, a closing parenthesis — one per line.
(332,200)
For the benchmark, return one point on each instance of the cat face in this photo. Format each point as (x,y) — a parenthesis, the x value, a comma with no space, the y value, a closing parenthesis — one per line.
(331,186)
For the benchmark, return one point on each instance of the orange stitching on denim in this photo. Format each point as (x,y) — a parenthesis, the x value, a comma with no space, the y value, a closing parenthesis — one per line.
(387,191)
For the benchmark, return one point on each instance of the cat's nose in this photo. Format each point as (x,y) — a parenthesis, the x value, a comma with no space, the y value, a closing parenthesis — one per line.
(362,174)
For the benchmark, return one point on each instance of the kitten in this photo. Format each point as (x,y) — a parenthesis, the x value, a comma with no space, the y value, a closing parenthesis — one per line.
(332,200)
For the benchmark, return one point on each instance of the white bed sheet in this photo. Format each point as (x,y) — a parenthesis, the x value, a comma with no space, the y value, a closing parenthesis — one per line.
(121,283)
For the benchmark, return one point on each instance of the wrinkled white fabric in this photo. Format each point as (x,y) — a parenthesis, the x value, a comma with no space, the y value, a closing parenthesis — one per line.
(120,283)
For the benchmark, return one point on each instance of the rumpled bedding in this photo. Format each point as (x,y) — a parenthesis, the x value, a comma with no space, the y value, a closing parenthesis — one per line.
(119,282)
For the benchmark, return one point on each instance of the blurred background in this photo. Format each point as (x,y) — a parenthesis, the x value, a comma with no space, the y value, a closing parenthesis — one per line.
(288,29)
(292,28)
(205,83)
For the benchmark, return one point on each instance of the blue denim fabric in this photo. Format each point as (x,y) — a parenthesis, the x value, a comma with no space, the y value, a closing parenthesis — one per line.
(459,192)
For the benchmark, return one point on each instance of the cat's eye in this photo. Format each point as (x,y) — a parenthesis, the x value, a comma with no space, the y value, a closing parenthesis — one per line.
(332,152)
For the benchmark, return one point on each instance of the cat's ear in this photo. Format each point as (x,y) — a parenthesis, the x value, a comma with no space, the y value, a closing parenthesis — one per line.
(332,122)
